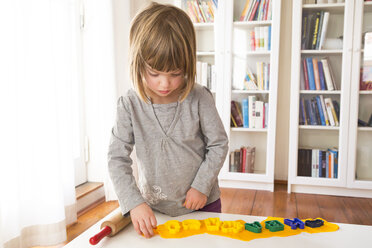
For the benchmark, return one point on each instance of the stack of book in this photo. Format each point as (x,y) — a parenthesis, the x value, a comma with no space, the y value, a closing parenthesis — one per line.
(260,38)
(242,160)
(252,114)
(256,10)
(206,75)
(319,111)
(317,74)
(314,29)
(201,11)
(318,162)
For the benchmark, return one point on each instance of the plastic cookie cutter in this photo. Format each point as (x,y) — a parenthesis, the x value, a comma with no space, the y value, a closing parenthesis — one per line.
(191,225)
(294,223)
(231,227)
(253,227)
(173,226)
(213,224)
(314,223)
(274,225)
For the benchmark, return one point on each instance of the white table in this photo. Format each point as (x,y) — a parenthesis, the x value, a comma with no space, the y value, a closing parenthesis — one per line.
(347,236)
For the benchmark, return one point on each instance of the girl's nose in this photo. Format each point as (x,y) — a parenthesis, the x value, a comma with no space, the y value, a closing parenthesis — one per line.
(165,81)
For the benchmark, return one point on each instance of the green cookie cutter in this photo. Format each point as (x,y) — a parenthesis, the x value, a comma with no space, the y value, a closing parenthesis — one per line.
(253,227)
(274,225)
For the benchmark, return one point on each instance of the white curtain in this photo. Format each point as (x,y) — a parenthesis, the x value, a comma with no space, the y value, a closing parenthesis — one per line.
(38,128)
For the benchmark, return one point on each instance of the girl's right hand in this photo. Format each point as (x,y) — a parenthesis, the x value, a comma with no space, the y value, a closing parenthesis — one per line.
(143,220)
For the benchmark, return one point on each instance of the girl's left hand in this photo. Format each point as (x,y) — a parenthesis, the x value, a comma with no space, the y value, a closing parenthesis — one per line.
(195,200)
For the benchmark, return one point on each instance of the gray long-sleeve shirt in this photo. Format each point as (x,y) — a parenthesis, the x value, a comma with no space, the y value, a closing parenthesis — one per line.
(190,153)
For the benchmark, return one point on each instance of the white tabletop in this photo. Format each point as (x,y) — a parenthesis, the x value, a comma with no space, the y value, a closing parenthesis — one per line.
(347,236)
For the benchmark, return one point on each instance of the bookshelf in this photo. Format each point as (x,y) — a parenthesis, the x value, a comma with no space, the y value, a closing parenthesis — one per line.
(344,56)
(238,56)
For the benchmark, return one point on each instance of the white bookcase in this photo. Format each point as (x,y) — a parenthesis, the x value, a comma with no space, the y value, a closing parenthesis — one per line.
(236,48)
(345,62)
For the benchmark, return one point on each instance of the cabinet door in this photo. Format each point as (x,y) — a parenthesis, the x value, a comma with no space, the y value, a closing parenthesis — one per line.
(360,134)
(311,137)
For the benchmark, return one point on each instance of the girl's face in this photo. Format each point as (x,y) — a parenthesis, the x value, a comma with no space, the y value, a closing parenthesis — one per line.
(163,87)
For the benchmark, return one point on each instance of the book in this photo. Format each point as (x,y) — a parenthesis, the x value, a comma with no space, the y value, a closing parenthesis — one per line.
(321,76)
(315,30)
(245,113)
(258,115)
(267,114)
(334,152)
(250,159)
(252,110)
(316,74)
(327,74)
(316,111)
(326,119)
(245,10)
(243,156)
(310,70)
(305,73)
(335,117)
(320,110)
(324,30)
(236,113)
(328,106)
(319,29)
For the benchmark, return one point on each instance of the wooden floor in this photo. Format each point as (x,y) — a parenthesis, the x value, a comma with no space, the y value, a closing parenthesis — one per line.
(281,204)
(263,203)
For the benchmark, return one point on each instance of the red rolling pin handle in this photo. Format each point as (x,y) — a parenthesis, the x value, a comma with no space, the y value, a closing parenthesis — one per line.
(103,233)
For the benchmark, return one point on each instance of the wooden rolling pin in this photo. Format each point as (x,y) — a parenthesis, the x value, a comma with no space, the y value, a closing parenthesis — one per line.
(110,227)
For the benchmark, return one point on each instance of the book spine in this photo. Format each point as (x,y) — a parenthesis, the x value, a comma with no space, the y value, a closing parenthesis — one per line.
(319,29)
(327,74)
(316,111)
(320,109)
(251,110)
(329,111)
(315,32)
(245,113)
(334,113)
(321,75)
(245,10)
(304,31)
(301,114)
(305,72)
(266,114)
(326,119)
(324,30)
(310,70)
(235,113)
(316,74)
(253,14)
(269,39)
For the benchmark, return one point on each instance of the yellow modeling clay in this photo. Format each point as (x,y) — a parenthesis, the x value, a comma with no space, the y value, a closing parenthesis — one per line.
(232,229)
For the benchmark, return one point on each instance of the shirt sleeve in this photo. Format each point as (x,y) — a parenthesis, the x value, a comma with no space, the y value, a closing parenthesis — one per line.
(119,161)
(216,144)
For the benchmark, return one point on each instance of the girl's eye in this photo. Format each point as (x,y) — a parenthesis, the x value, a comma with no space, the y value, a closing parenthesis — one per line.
(176,74)
(153,74)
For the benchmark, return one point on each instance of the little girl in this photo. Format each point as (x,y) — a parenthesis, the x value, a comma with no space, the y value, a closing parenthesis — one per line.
(180,141)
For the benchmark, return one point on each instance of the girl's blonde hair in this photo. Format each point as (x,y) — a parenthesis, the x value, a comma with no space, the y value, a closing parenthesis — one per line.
(162,37)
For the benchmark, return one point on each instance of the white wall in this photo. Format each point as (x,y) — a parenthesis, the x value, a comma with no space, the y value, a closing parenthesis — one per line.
(282,128)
